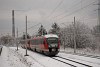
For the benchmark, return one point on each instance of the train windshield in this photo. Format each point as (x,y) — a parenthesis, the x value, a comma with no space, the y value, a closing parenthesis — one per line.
(52,40)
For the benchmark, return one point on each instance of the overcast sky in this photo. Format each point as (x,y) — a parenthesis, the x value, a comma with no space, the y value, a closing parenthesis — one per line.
(46,12)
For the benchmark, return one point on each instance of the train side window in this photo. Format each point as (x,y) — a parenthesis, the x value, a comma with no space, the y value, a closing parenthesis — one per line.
(38,41)
(35,41)
(42,41)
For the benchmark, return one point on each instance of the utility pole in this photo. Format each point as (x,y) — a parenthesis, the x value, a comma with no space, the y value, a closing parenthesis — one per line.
(74,25)
(13,24)
(13,28)
(64,40)
(26,37)
(17,39)
(17,32)
(99,11)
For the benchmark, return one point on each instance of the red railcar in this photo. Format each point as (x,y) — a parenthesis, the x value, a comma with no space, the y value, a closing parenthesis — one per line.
(47,44)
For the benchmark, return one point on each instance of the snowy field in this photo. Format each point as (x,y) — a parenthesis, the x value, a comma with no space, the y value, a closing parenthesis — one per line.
(86,51)
(12,58)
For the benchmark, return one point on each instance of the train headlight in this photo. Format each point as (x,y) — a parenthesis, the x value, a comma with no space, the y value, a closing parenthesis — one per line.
(49,45)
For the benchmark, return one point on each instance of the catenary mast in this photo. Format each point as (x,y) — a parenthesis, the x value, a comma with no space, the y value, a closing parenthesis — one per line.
(99,11)
(13,24)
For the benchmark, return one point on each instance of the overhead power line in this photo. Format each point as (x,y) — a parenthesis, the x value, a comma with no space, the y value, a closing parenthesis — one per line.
(55,8)
(77,10)
(68,9)
(29,28)
(34,25)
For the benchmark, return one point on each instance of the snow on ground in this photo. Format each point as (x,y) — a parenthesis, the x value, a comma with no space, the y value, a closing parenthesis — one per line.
(4,58)
(42,60)
(86,51)
(10,57)
(86,60)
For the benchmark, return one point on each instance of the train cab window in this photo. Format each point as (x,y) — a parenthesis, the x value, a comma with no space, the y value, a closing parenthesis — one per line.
(52,40)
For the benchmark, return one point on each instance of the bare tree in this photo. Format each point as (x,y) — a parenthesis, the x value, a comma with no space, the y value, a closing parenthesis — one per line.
(96,33)
(6,40)
(83,36)
(55,29)
(28,36)
(42,31)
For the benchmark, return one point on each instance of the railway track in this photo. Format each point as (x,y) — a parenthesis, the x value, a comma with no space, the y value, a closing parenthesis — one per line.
(70,62)
(54,59)
(64,62)
(85,55)
(97,57)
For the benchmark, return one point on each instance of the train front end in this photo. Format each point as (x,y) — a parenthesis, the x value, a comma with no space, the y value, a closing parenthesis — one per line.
(52,44)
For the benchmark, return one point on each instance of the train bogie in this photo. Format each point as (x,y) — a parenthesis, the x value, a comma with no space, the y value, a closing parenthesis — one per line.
(51,52)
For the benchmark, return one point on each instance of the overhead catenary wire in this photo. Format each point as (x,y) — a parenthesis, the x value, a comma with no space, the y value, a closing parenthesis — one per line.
(68,9)
(34,25)
(29,28)
(51,12)
(76,10)
(55,8)
(64,13)
(40,23)
(89,18)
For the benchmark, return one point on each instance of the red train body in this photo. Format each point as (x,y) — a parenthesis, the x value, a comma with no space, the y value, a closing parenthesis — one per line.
(47,44)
